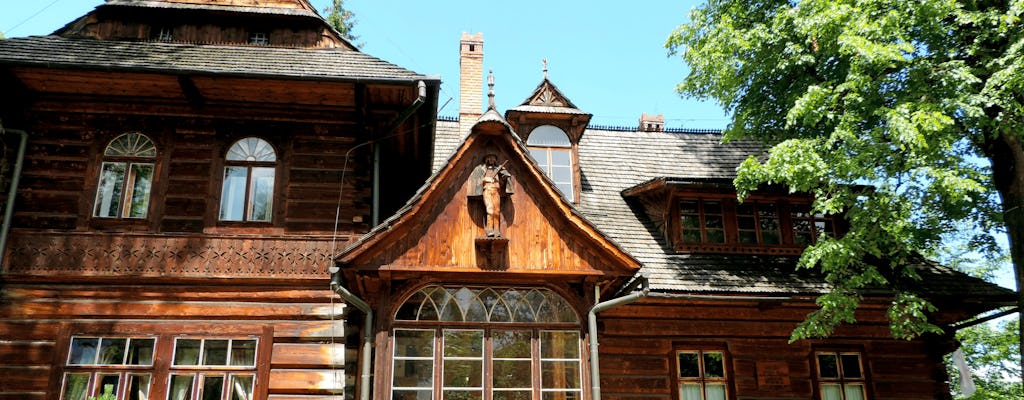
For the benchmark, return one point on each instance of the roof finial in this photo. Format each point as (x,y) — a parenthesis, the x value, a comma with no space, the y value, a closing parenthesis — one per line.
(545,62)
(490,89)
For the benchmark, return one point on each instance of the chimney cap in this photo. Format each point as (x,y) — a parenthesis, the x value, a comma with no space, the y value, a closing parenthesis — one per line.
(652,123)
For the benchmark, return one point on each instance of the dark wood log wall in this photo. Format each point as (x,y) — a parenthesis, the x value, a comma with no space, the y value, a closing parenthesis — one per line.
(637,345)
(301,354)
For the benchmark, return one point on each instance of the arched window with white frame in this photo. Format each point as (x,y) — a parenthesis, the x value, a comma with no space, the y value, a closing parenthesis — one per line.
(126,177)
(248,190)
(502,343)
(550,146)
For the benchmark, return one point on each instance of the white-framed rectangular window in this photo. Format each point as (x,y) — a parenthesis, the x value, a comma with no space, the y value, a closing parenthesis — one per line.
(841,375)
(119,366)
(702,375)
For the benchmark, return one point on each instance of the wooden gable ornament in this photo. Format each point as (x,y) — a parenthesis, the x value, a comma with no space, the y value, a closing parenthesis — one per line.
(489,213)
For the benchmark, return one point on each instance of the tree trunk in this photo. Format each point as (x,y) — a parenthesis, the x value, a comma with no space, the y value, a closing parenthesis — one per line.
(1005,151)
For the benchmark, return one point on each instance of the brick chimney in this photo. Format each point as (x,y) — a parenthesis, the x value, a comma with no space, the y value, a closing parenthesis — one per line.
(471,83)
(652,123)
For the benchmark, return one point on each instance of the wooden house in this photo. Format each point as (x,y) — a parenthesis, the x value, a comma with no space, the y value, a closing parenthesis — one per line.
(187,170)
(224,199)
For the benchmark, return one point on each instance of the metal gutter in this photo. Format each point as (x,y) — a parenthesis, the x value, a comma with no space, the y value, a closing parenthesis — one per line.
(366,353)
(595,372)
(12,190)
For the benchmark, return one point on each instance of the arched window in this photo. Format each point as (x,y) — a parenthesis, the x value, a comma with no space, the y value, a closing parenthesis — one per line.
(248,191)
(486,343)
(126,177)
(550,146)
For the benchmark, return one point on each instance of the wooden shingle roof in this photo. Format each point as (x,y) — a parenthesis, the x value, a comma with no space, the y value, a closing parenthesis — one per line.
(175,58)
(612,161)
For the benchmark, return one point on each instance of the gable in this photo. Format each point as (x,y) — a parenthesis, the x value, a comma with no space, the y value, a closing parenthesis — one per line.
(443,230)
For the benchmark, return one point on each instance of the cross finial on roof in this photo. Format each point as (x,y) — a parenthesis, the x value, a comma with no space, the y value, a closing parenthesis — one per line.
(490,89)
(545,62)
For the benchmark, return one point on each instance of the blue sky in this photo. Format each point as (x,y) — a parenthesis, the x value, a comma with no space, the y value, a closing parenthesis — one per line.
(608,58)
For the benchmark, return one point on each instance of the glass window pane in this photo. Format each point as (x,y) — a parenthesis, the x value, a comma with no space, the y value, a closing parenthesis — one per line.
(252,149)
(712,207)
(138,387)
(241,387)
(715,391)
(690,391)
(851,366)
(691,236)
(561,395)
(463,373)
(559,344)
(716,236)
(186,351)
(232,196)
(511,344)
(548,135)
(414,373)
(180,387)
(689,365)
(560,374)
(688,207)
(412,395)
(112,351)
(414,343)
(132,144)
(243,352)
(140,351)
(828,366)
(76,386)
(213,387)
(831,391)
(714,365)
(512,373)
(83,351)
(109,189)
(107,384)
(561,174)
(512,395)
(713,222)
(262,194)
(141,179)
(463,343)
(463,394)
(215,352)
(691,221)
(561,158)
(854,391)
(748,237)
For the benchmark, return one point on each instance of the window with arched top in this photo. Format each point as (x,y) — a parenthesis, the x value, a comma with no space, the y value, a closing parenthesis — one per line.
(550,146)
(126,177)
(459,342)
(248,190)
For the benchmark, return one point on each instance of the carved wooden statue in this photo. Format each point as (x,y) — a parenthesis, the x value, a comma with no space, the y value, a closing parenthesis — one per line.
(491,181)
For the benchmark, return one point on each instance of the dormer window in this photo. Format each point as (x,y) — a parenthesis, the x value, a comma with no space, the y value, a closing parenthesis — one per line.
(259,38)
(551,147)
(720,224)
(163,33)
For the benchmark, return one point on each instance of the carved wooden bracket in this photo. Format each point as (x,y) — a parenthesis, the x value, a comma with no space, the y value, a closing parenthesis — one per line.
(492,253)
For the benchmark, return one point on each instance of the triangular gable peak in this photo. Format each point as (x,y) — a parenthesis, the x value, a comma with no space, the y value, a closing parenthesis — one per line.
(444,232)
(284,4)
(547,95)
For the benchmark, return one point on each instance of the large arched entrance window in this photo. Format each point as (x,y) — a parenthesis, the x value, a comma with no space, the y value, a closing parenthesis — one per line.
(474,343)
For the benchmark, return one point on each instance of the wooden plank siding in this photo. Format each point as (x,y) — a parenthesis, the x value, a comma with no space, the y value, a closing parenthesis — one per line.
(637,345)
(306,342)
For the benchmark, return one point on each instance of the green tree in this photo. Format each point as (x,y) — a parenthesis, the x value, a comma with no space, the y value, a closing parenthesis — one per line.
(922,101)
(988,350)
(342,20)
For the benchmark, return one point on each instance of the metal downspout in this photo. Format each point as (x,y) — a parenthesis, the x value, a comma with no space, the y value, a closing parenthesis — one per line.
(421,97)
(367,349)
(595,372)
(13,190)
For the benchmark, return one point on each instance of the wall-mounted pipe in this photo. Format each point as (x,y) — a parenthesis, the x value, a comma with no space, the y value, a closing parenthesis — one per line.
(12,191)
(595,372)
(366,352)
